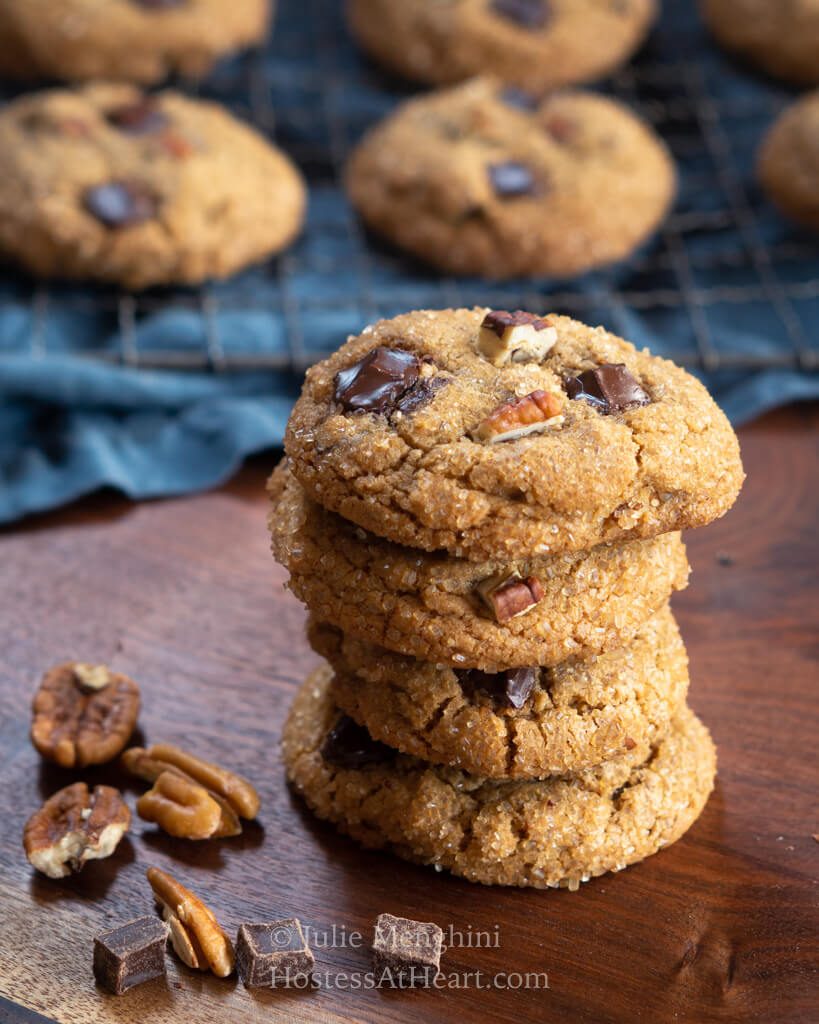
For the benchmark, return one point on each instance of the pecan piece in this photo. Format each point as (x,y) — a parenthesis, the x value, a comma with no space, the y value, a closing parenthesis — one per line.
(75,826)
(531,414)
(180,807)
(137,761)
(196,935)
(238,792)
(508,597)
(83,714)
(515,337)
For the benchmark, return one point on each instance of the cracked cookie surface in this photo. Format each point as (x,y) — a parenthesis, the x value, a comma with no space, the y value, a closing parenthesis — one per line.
(104,183)
(475,180)
(781,37)
(126,40)
(539,44)
(528,724)
(789,160)
(429,605)
(556,832)
(411,470)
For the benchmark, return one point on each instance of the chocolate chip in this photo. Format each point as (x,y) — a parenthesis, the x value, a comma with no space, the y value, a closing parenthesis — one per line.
(519,99)
(129,955)
(121,204)
(349,745)
(377,382)
(609,388)
(405,952)
(141,118)
(513,687)
(528,13)
(422,392)
(511,179)
(158,5)
(273,954)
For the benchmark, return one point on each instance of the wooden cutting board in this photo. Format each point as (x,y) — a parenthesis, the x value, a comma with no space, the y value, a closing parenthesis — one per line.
(184,596)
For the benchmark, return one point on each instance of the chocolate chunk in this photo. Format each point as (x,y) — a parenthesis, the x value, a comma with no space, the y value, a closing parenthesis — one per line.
(158,5)
(513,687)
(273,954)
(120,204)
(422,392)
(609,388)
(518,98)
(128,955)
(406,953)
(511,179)
(528,13)
(141,118)
(349,745)
(378,381)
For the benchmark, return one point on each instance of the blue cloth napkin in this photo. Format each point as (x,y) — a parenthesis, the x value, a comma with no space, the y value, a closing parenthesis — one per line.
(729,280)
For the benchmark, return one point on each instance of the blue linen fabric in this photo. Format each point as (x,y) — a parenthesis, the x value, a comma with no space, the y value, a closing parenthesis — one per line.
(728,287)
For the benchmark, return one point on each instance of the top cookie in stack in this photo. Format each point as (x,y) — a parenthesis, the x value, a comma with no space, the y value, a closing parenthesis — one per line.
(481,510)
(506,435)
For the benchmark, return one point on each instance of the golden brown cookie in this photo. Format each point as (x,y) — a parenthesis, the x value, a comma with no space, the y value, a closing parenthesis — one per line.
(536,44)
(103,183)
(789,161)
(126,40)
(469,614)
(557,832)
(522,723)
(509,436)
(780,36)
(480,180)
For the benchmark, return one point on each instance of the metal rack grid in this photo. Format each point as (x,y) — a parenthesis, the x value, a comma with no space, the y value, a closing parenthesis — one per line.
(724,259)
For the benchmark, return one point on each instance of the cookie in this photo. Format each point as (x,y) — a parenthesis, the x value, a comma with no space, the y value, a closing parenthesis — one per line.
(125,40)
(490,615)
(509,436)
(789,160)
(522,723)
(535,44)
(557,832)
(779,36)
(103,183)
(479,180)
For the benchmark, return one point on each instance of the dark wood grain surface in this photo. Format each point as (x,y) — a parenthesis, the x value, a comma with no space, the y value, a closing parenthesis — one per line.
(184,596)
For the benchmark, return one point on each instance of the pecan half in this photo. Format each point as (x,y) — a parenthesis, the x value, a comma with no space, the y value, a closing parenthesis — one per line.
(75,826)
(515,337)
(180,807)
(196,936)
(83,714)
(238,792)
(508,597)
(531,414)
(137,761)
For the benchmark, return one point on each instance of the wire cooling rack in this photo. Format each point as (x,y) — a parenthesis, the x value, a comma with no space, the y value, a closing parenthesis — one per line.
(726,285)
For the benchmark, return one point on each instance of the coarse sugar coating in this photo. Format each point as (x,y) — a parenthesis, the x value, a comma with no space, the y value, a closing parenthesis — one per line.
(525,724)
(430,606)
(536,44)
(477,180)
(556,832)
(391,432)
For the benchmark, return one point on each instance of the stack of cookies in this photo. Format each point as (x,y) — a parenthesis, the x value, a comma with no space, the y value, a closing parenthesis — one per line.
(481,510)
